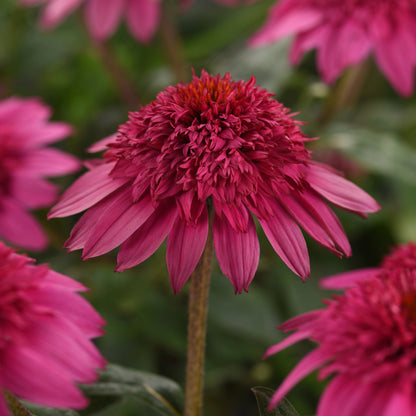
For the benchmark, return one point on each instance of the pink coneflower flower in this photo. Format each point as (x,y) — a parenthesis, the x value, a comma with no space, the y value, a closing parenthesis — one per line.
(24,163)
(46,330)
(345,33)
(219,142)
(366,339)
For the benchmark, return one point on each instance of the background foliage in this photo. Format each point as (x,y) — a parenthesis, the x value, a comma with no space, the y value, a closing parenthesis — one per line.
(371,136)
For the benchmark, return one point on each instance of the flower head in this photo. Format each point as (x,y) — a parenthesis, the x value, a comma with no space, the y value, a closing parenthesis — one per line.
(46,330)
(366,339)
(24,163)
(345,33)
(219,142)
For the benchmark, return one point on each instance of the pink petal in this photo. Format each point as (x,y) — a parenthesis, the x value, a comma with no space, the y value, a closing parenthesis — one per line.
(308,364)
(57,10)
(4,410)
(401,403)
(142,18)
(340,191)
(287,240)
(50,162)
(184,249)
(20,228)
(348,279)
(102,144)
(306,41)
(309,217)
(49,133)
(117,223)
(103,17)
(393,59)
(86,191)
(287,342)
(284,21)
(298,322)
(35,110)
(34,377)
(237,252)
(33,192)
(146,240)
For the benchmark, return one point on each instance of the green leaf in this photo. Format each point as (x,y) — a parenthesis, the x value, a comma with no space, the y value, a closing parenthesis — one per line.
(263,395)
(161,393)
(381,152)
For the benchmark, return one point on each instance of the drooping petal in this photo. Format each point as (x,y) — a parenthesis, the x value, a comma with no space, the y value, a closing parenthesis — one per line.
(117,223)
(33,192)
(287,342)
(50,162)
(184,249)
(146,240)
(19,227)
(50,387)
(284,21)
(340,191)
(142,18)
(103,17)
(287,240)
(314,216)
(301,321)
(348,279)
(308,364)
(87,191)
(237,252)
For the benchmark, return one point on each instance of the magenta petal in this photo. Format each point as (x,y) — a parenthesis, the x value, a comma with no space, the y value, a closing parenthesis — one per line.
(287,342)
(146,240)
(308,364)
(340,191)
(102,144)
(287,240)
(299,322)
(50,162)
(184,249)
(56,11)
(283,22)
(117,223)
(86,191)
(143,18)
(237,252)
(50,387)
(19,227)
(4,411)
(348,279)
(103,17)
(33,192)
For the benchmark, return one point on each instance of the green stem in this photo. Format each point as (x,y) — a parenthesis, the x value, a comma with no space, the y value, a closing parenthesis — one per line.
(118,75)
(172,44)
(197,329)
(347,92)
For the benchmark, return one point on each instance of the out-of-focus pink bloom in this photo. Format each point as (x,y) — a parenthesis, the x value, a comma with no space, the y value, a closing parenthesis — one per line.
(219,143)
(344,33)
(366,340)
(24,163)
(46,330)
(103,16)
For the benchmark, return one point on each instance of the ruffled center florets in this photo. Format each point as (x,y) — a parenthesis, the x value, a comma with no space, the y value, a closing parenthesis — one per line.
(371,330)
(213,137)
(19,284)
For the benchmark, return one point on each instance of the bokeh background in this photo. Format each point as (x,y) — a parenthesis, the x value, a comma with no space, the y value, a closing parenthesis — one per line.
(370,134)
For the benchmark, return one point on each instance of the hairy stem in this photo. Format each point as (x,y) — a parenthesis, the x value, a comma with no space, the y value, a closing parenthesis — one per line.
(197,328)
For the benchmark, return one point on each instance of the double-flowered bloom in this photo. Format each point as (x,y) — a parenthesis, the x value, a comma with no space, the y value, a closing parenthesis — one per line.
(25,162)
(46,330)
(212,144)
(366,340)
(344,33)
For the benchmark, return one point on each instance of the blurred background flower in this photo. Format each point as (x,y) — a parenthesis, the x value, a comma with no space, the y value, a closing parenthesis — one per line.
(25,162)
(346,34)
(366,340)
(46,328)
